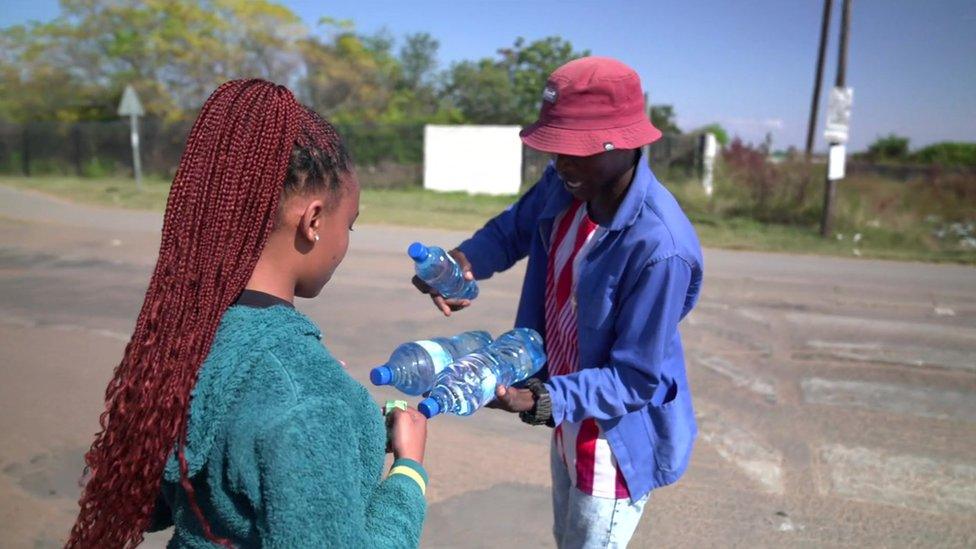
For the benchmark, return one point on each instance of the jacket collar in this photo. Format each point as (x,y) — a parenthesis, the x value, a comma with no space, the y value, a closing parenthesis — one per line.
(629,209)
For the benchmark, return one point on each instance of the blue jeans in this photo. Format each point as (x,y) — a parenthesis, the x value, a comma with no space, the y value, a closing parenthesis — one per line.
(582,521)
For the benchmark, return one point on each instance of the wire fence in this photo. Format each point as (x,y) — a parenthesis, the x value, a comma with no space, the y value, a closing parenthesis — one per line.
(387,156)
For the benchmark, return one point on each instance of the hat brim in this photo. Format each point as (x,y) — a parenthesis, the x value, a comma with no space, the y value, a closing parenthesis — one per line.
(552,139)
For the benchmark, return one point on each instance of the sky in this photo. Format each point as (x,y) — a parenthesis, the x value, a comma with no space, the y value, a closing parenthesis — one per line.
(746,64)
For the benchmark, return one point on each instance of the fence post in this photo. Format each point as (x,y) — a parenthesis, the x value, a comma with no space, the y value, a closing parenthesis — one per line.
(698,157)
(525,167)
(25,151)
(667,160)
(76,148)
(709,151)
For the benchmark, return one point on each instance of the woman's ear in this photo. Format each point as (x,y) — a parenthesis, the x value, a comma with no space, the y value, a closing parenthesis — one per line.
(312,221)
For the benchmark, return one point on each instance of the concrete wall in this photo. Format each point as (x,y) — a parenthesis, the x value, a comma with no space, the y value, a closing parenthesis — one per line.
(475,159)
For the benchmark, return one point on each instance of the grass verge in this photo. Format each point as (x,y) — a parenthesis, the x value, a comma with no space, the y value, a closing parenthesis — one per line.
(459,211)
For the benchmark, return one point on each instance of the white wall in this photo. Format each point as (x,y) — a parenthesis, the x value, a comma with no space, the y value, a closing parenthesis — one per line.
(476,159)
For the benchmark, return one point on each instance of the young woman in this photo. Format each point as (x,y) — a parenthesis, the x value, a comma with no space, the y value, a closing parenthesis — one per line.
(227,417)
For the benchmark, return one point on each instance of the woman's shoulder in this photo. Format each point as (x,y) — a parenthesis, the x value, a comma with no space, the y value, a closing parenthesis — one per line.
(263,349)
(286,354)
(266,324)
(306,386)
(274,355)
(265,365)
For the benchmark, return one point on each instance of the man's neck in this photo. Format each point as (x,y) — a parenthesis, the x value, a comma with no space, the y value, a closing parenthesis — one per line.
(605,205)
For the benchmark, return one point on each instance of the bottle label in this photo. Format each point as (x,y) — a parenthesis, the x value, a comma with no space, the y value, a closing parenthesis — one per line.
(439,355)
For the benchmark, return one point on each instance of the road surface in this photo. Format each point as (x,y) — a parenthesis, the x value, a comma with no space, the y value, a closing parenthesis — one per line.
(836,397)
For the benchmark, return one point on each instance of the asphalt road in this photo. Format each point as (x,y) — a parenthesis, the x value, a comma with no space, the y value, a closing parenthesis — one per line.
(836,397)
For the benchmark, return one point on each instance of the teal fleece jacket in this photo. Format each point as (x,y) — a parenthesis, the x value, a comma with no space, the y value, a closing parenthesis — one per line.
(285,449)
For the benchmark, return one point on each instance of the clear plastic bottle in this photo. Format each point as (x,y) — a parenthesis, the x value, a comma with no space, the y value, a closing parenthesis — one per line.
(469,383)
(413,366)
(439,270)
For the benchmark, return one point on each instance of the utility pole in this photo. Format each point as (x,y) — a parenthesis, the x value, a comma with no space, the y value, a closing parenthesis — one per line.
(838,122)
(815,103)
(646,149)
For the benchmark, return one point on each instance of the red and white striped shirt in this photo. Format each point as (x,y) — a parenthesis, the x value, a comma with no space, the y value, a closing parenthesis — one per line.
(582,446)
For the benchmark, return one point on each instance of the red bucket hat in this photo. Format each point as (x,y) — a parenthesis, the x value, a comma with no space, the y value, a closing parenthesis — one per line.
(591,105)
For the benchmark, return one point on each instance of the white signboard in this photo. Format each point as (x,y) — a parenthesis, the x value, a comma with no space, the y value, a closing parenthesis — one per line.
(836,161)
(710,147)
(475,159)
(709,152)
(839,115)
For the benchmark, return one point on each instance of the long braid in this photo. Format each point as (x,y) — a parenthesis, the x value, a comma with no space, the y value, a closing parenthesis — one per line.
(223,204)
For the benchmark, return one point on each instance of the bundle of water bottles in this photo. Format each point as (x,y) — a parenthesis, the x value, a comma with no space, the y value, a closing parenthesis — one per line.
(458,374)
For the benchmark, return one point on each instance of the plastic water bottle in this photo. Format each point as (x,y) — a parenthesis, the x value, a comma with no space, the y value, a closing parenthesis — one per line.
(469,383)
(413,366)
(439,270)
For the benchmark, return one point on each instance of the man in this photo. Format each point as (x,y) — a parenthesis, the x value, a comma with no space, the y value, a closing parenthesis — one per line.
(614,265)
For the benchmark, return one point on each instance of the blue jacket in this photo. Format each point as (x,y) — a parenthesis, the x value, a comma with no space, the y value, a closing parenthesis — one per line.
(635,285)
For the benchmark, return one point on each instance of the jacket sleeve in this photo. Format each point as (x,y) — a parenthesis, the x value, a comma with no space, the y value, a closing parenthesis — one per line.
(311,476)
(507,237)
(644,329)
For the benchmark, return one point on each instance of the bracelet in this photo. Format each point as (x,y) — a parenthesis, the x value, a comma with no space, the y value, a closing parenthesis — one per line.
(541,412)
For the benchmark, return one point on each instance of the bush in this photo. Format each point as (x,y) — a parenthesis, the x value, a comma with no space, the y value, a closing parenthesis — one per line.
(947,154)
(754,187)
(98,167)
(370,145)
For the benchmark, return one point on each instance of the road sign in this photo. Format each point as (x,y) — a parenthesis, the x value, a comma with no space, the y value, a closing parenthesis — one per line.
(836,161)
(131,106)
(839,114)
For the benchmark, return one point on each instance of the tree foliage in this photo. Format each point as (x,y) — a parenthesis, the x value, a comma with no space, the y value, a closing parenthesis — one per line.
(663,118)
(891,147)
(174,52)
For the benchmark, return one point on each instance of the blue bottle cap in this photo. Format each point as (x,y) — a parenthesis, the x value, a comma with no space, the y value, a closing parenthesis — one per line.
(381,375)
(429,407)
(418,252)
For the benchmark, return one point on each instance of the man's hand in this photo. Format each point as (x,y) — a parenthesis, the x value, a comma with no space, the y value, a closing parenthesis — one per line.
(512,399)
(446,306)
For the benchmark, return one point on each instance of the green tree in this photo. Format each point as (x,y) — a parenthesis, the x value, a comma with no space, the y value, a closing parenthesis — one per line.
(892,147)
(530,66)
(507,90)
(35,85)
(718,131)
(266,36)
(418,57)
(483,92)
(348,77)
(663,118)
(174,52)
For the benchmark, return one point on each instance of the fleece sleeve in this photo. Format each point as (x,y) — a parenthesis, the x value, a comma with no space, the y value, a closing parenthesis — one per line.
(312,485)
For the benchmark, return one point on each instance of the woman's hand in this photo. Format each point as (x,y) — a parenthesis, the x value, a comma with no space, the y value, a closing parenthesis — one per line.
(446,306)
(408,434)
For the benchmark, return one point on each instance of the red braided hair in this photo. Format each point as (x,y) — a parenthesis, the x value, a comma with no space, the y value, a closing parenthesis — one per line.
(251,143)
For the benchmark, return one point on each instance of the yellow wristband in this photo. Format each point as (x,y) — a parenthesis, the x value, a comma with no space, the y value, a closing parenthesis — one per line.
(407,471)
